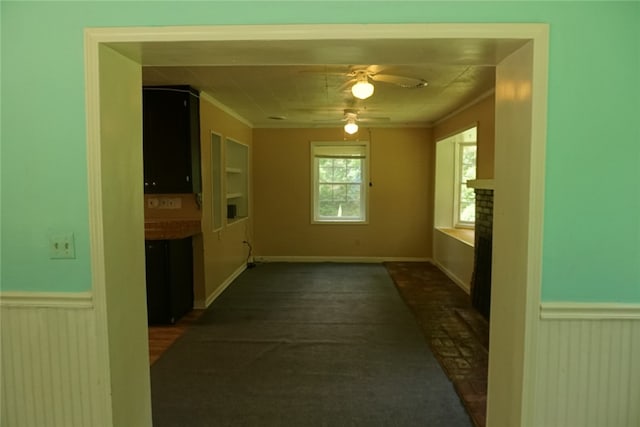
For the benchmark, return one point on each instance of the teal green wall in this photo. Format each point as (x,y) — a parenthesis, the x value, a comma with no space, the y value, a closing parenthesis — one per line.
(592,207)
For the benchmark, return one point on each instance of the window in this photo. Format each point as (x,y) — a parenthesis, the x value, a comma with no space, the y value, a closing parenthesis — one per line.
(465,198)
(455,165)
(339,181)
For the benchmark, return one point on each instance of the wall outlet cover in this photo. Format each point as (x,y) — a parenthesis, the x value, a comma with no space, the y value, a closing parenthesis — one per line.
(170,203)
(61,246)
(174,203)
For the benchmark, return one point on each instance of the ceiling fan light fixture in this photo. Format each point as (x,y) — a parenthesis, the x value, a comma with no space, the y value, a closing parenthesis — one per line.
(362,89)
(351,127)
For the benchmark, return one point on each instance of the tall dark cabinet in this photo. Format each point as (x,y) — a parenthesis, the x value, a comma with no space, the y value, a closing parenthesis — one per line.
(169,268)
(171,139)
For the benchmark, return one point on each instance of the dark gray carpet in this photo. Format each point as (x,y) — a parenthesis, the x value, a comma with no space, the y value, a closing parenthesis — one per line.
(305,345)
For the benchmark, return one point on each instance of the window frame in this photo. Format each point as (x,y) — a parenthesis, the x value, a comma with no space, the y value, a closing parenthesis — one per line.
(364,182)
(458,182)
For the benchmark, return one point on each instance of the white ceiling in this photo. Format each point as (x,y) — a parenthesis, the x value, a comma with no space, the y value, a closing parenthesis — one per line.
(304,81)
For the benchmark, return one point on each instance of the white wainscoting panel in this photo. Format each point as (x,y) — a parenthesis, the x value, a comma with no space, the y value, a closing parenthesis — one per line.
(588,371)
(48,363)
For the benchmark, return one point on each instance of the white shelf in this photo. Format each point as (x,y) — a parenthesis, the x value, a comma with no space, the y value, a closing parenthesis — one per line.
(485,184)
(237,178)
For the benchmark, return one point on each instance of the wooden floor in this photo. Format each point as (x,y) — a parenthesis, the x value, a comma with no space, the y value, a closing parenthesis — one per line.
(161,337)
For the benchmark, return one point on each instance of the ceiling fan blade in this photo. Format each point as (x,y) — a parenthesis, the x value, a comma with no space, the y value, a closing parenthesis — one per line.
(341,70)
(347,84)
(406,82)
(336,120)
(374,119)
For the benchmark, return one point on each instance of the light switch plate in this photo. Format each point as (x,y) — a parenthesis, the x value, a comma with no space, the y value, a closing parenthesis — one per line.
(61,246)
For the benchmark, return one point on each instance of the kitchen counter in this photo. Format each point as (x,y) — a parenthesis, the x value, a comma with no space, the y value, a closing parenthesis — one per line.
(170,228)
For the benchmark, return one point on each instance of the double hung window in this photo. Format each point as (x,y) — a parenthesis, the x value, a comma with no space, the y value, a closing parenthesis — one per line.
(455,167)
(339,181)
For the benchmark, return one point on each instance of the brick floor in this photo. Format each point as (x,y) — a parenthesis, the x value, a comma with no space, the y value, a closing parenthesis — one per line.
(457,334)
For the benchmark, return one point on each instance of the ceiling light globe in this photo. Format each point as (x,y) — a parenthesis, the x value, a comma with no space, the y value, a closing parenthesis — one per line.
(362,89)
(351,128)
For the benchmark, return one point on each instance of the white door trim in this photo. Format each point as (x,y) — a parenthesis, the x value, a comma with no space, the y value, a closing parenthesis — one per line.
(538,33)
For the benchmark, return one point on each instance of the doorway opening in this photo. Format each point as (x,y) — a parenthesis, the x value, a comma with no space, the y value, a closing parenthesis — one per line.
(520,116)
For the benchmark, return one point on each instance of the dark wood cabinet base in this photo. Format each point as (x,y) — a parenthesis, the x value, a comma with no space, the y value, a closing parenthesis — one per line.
(169,269)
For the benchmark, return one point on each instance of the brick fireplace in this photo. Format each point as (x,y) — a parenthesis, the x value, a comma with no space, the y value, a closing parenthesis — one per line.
(481,278)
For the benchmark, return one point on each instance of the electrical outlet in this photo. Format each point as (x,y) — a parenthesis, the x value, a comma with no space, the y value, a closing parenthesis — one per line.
(170,203)
(61,246)
(153,202)
(174,203)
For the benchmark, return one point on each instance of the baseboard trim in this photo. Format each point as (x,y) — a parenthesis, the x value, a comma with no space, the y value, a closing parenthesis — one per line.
(340,259)
(466,288)
(205,304)
(586,311)
(46,299)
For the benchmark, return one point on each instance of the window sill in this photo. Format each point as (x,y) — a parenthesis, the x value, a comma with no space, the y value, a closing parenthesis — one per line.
(464,235)
(339,222)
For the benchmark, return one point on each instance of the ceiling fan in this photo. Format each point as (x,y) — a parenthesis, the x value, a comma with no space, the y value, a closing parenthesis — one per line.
(362,88)
(351,117)
(353,113)
(360,78)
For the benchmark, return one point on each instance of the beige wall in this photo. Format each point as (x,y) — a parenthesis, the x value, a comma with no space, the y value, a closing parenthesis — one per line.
(482,113)
(454,257)
(223,252)
(400,200)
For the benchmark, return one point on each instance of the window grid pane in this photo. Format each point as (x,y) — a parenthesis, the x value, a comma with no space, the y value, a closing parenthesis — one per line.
(339,188)
(467,204)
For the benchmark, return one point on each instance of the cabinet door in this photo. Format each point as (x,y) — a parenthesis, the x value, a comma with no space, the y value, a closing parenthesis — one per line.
(158,289)
(181,277)
(167,140)
(169,269)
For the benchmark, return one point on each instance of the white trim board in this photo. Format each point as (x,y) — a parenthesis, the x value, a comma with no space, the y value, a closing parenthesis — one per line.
(510,391)
(587,311)
(205,304)
(466,288)
(481,184)
(211,100)
(315,32)
(482,97)
(342,259)
(47,299)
